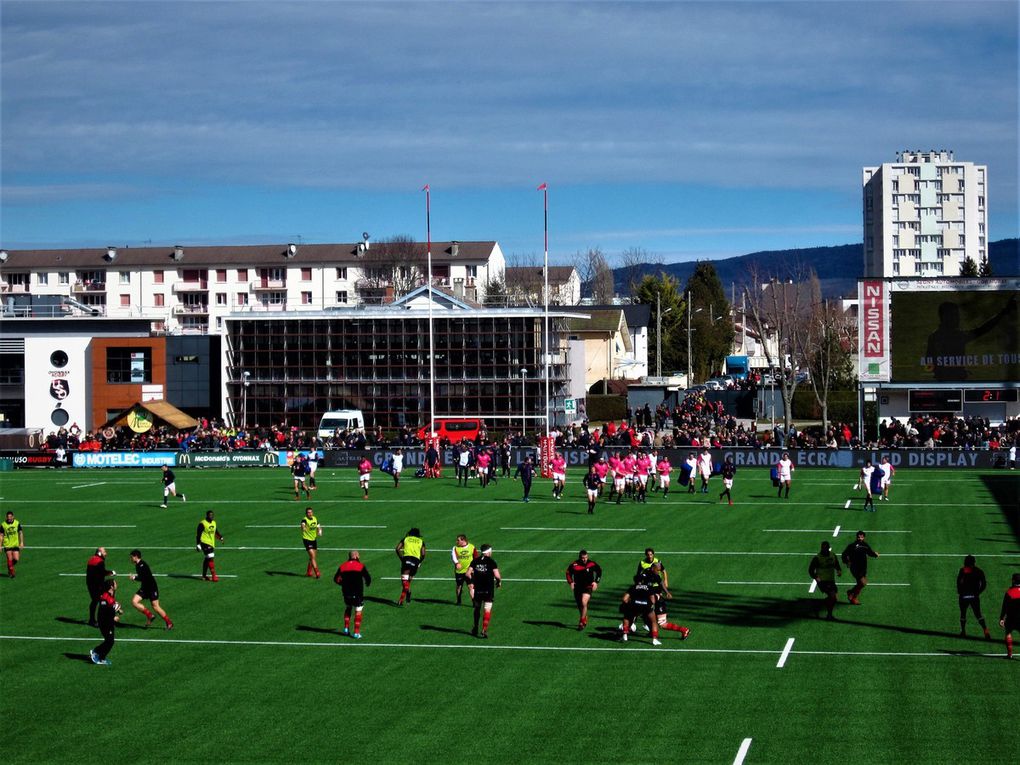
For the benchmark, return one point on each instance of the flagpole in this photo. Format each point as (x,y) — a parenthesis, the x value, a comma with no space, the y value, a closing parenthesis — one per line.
(544,188)
(432,358)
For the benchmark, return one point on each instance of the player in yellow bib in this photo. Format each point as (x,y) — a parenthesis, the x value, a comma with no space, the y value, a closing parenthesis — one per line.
(206,537)
(13,541)
(411,551)
(463,554)
(310,533)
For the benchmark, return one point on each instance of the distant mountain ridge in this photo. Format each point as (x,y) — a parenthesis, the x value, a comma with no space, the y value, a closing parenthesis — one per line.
(838,267)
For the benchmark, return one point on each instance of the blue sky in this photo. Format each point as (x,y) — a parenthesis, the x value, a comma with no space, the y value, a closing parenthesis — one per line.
(690,130)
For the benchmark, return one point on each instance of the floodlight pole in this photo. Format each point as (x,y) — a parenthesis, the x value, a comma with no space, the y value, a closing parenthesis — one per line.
(544,188)
(432,361)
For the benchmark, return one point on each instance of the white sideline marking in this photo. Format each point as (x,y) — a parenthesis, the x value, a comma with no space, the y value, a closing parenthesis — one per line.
(330,526)
(823,531)
(543,528)
(175,576)
(490,646)
(786,654)
(847,505)
(87,485)
(742,752)
(801,584)
(814,585)
(835,531)
(561,580)
(56,526)
(571,551)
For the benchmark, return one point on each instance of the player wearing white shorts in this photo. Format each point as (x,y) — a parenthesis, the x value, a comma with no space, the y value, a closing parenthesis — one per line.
(705,468)
(886,469)
(663,468)
(559,474)
(397,461)
(866,473)
(785,470)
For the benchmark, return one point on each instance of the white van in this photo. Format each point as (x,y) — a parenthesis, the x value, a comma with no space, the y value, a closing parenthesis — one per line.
(344,419)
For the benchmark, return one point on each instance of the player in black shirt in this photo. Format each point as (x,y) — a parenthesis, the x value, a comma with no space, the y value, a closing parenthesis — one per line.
(170,485)
(526,470)
(109,615)
(583,576)
(592,484)
(484,576)
(1009,617)
(353,578)
(97,578)
(299,471)
(970,583)
(856,555)
(728,471)
(147,590)
(639,603)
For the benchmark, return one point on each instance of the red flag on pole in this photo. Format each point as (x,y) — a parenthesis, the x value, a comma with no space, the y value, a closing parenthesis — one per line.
(543,187)
(425,187)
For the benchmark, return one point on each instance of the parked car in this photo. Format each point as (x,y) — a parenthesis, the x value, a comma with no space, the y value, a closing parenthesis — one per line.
(714,384)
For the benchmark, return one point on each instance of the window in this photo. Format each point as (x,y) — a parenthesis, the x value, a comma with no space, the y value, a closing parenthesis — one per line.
(157,277)
(43,278)
(306,274)
(157,300)
(129,365)
(242,298)
(242,274)
(221,275)
(341,297)
(306,298)
(341,273)
(125,277)
(221,297)
(64,277)
(472,271)
(125,301)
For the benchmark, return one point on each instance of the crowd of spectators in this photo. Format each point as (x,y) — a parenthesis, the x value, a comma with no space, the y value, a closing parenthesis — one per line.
(696,421)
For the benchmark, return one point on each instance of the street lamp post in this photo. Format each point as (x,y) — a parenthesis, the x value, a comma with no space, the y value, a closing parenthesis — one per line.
(689,330)
(244,399)
(658,334)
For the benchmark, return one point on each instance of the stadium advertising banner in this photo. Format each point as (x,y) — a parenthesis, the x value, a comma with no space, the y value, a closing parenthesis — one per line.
(228,459)
(954,330)
(25,459)
(873,331)
(122,459)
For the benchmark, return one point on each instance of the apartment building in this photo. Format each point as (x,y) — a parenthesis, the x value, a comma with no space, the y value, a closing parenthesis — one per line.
(189,290)
(924,215)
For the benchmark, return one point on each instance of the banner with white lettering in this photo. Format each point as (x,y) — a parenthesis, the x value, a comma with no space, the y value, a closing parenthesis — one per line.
(873,331)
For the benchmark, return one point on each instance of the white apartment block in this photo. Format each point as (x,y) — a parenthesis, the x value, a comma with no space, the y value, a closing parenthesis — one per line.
(924,214)
(188,290)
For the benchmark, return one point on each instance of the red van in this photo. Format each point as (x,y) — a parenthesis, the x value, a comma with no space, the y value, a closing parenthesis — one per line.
(454,429)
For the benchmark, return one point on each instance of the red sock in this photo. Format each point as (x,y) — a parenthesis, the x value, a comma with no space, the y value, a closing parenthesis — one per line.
(485,621)
(1009,644)
(655,632)
(308,571)
(347,621)
(212,567)
(167,619)
(357,621)
(148,613)
(672,627)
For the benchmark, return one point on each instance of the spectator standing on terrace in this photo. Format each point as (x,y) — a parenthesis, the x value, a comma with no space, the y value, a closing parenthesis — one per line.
(169,485)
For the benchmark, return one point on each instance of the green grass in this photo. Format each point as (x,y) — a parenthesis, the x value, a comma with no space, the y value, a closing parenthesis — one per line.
(255,670)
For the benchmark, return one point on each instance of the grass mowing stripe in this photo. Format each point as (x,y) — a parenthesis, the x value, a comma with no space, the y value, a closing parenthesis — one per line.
(549,528)
(174,576)
(720,553)
(450,579)
(321,526)
(59,526)
(801,584)
(742,752)
(825,531)
(496,647)
(785,655)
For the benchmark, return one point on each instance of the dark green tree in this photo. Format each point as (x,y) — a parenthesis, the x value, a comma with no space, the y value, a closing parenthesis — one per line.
(968,267)
(711,322)
(986,269)
(662,293)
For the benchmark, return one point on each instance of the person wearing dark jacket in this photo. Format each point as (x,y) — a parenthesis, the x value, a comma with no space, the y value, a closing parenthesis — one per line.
(970,583)
(109,615)
(526,471)
(96,576)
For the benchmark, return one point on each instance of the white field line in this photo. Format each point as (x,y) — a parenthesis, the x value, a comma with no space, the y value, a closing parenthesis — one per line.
(742,752)
(89,485)
(638,553)
(340,643)
(785,655)
(449,580)
(321,526)
(811,589)
(847,505)
(544,528)
(835,531)
(814,586)
(175,576)
(824,531)
(58,526)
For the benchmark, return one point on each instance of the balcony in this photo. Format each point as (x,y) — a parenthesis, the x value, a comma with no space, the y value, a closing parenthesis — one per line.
(13,289)
(90,285)
(199,285)
(262,285)
(195,309)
